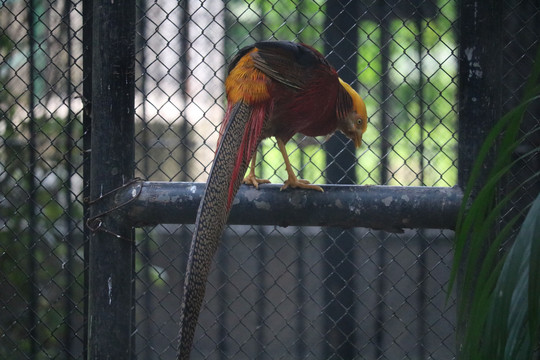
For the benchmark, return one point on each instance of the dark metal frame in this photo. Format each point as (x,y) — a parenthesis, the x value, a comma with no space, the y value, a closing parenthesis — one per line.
(111,250)
(115,203)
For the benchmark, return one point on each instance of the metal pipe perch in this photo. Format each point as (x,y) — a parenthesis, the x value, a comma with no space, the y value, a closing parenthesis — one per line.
(390,208)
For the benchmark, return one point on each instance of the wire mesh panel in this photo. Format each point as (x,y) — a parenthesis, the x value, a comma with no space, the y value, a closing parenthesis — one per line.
(302,292)
(520,42)
(296,292)
(41,242)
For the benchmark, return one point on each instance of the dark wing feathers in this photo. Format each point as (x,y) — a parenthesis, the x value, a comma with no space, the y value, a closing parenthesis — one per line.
(284,61)
(301,54)
(279,68)
(238,56)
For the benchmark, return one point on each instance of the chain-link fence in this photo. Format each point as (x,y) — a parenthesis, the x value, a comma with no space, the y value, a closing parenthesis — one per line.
(296,292)
(41,231)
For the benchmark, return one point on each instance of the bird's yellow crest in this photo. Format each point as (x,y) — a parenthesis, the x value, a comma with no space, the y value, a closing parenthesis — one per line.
(358,103)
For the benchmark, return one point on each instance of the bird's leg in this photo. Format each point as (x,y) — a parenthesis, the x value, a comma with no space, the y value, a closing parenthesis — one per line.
(251,179)
(293,181)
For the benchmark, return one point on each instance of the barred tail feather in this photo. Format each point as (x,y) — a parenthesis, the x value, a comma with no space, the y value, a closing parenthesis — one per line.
(238,141)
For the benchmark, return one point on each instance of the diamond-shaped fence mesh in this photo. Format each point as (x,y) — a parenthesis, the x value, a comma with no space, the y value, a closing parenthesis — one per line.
(273,293)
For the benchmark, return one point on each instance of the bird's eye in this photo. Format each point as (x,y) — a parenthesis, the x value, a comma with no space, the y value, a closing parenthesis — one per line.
(359,121)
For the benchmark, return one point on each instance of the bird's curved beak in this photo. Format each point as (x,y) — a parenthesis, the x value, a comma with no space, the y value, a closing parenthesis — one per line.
(357,138)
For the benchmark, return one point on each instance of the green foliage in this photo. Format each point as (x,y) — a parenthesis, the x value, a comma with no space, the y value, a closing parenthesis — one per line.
(256,20)
(512,320)
(498,296)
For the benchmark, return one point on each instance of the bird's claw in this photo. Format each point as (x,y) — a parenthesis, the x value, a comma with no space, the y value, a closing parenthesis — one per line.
(252,180)
(300,183)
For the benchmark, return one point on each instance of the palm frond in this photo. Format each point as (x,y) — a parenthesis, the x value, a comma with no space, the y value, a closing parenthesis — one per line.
(498,294)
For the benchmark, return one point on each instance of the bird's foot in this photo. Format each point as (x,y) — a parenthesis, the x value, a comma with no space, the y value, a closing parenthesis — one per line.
(251,179)
(300,183)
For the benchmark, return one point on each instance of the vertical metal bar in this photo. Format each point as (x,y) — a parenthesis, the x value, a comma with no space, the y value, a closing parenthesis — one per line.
(480,90)
(380,294)
(184,132)
(87,136)
(422,294)
(69,216)
(261,303)
(260,280)
(300,238)
(384,45)
(300,325)
(422,258)
(111,306)
(341,45)
(185,127)
(420,95)
(31,180)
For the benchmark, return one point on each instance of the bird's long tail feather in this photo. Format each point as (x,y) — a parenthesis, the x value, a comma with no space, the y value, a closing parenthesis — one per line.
(236,145)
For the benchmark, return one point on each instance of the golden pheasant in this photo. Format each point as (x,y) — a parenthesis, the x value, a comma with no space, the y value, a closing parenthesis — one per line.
(274,88)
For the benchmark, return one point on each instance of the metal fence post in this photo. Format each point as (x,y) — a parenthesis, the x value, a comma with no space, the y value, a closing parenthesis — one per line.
(33,319)
(480,80)
(111,308)
(342,38)
(480,75)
